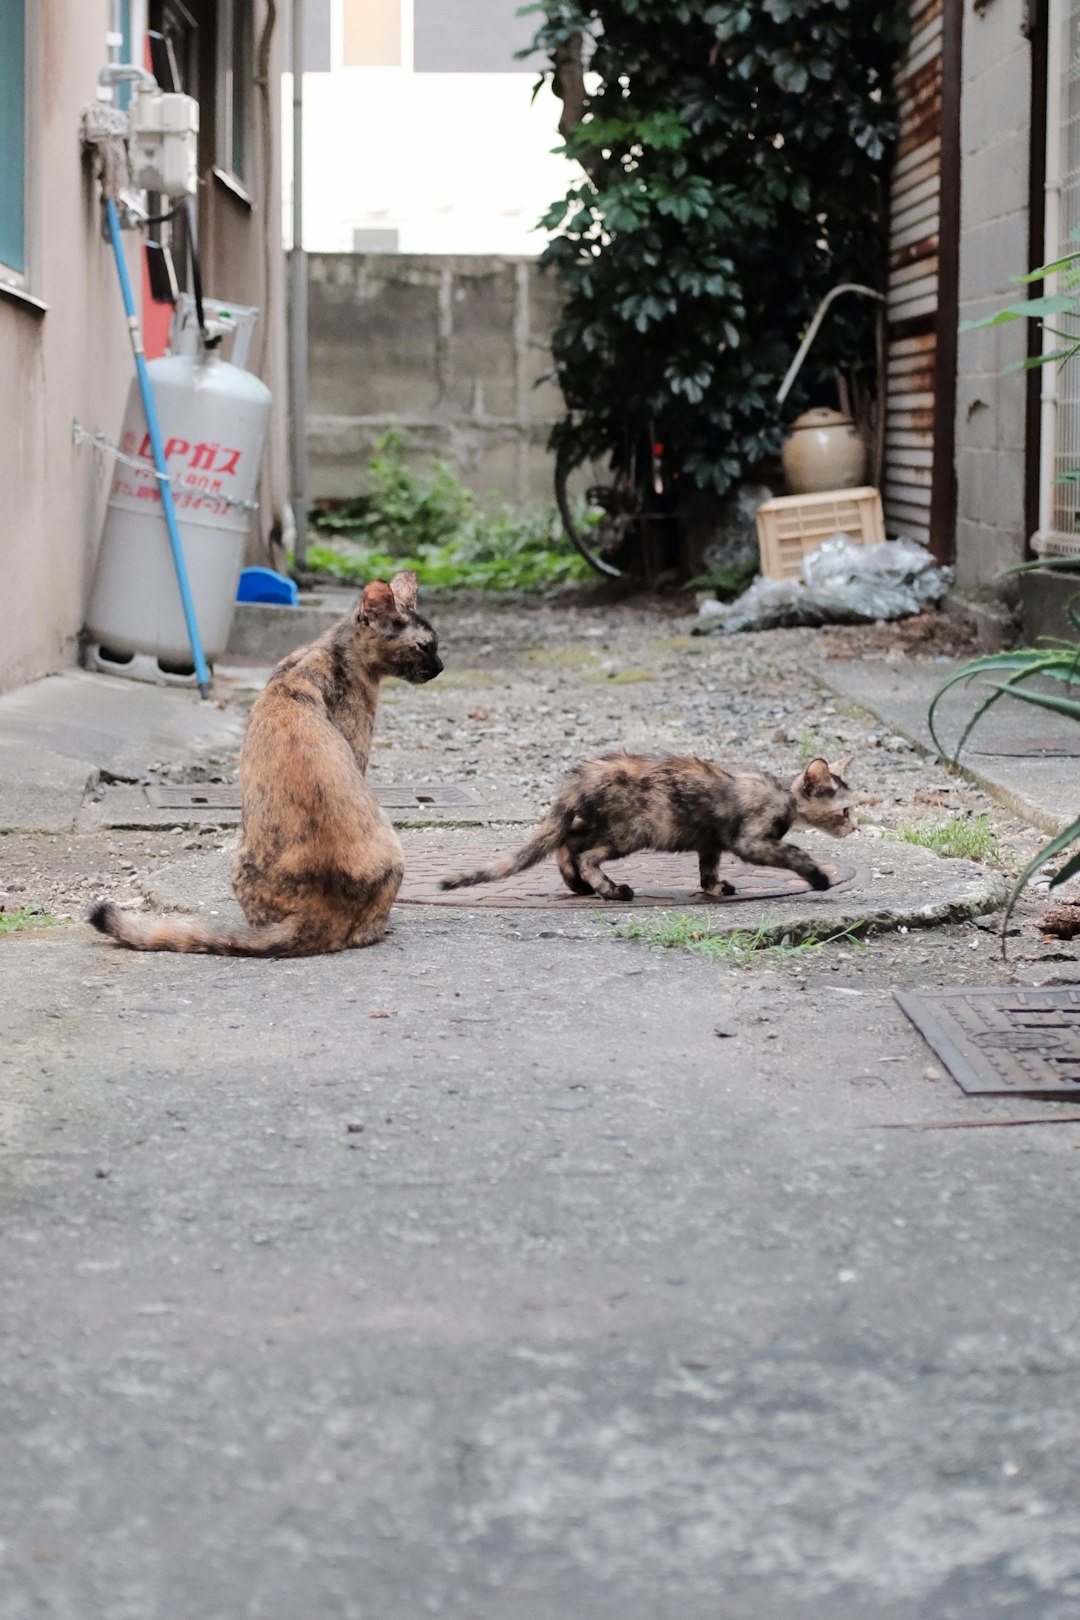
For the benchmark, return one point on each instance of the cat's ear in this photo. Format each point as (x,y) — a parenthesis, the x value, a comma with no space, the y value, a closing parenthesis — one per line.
(377,603)
(839,766)
(817,778)
(403,586)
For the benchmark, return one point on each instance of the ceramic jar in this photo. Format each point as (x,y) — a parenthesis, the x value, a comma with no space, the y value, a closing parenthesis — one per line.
(824,450)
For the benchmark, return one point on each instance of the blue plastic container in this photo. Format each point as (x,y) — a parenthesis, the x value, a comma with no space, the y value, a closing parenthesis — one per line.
(265,585)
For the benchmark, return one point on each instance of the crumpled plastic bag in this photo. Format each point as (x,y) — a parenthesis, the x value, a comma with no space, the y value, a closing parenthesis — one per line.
(842,583)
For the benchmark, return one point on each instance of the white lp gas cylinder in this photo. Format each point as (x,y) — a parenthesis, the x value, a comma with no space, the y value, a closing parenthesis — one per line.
(213,419)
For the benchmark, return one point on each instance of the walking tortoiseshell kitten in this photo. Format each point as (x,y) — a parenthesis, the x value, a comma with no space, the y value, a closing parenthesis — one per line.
(620,803)
(319,864)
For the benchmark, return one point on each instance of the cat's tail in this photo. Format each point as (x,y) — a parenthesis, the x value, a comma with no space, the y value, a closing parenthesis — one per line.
(148,933)
(545,840)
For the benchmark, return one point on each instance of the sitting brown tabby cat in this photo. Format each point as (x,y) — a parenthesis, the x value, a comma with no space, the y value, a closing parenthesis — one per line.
(319,864)
(620,803)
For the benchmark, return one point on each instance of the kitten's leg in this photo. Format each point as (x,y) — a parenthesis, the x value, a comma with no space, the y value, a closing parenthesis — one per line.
(589,866)
(767,852)
(571,873)
(711,881)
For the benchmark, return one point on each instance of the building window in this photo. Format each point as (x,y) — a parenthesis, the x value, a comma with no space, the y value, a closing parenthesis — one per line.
(234,86)
(13,100)
(371,33)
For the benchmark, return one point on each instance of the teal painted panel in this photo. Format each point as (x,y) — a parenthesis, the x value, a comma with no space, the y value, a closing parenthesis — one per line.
(13,134)
(123,91)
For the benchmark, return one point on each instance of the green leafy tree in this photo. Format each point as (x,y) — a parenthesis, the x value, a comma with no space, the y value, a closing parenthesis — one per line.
(732,158)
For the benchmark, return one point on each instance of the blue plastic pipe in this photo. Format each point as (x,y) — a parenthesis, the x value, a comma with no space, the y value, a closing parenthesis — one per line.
(161,470)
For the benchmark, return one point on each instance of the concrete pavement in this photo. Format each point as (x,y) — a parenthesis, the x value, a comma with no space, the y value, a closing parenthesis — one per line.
(514,1270)
(1027,758)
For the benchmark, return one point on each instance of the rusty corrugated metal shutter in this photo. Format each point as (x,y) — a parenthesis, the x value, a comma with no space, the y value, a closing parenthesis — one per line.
(914,278)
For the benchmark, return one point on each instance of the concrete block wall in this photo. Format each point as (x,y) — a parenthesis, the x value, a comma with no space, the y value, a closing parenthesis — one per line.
(452,349)
(990,406)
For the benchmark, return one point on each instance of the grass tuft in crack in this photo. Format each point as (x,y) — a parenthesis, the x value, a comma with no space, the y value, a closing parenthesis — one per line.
(674,930)
(27,917)
(809,746)
(968,838)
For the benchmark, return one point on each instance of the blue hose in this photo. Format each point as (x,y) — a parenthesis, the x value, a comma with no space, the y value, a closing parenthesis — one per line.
(160,468)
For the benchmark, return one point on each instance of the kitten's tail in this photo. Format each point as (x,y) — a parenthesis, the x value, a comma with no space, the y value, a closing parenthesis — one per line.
(147,933)
(545,840)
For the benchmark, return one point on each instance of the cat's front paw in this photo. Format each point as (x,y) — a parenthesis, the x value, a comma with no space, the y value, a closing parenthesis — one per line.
(622,891)
(717,891)
(817,879)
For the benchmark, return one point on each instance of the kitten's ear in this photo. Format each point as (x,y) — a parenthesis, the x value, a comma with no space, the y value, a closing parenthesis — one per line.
(403,586)
(838,767)
(377,602)
(817,778)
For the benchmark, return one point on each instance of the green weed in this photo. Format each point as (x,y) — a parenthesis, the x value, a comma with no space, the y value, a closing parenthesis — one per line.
(959,838)
(674,930)
(728,580)
(27,917)
(428,521)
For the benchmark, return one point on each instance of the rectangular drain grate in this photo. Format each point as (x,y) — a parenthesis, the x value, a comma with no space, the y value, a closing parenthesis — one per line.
(429,795)
(1003,1042)
(391,795)
(193,796)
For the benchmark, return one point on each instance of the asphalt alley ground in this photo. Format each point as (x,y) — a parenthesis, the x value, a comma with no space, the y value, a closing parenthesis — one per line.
(515,1270)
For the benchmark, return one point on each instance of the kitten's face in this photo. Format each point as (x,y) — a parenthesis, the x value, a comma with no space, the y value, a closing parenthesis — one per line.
(401,643)
(824,799)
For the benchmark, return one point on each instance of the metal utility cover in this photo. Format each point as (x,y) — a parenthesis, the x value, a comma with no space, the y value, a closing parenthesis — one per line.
(1003,1042)
(193,796)
(433,795)
(391,795)
(657,879)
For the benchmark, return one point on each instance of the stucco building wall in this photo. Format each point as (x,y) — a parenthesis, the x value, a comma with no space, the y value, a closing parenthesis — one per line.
(68,360)
(66,356)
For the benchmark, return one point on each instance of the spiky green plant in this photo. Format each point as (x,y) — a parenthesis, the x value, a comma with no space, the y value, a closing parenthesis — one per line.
(1054,659)
(1062,305)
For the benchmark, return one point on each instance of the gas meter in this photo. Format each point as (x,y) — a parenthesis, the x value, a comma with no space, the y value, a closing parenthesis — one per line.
(164,141)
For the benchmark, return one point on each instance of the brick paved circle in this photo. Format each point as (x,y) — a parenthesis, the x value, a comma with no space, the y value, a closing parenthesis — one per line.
(658,880)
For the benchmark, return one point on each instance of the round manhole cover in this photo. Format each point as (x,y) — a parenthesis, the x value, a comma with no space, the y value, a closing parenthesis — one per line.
(657,880)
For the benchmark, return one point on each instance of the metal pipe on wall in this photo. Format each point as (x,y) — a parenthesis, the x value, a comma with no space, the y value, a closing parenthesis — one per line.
(298,346)
(1036,28)
(1052,246)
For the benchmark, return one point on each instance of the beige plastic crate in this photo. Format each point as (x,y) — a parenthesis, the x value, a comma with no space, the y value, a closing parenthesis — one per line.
(791,526)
